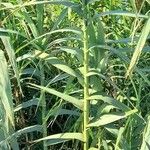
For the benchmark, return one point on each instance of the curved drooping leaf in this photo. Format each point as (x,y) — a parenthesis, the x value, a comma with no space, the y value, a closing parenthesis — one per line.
(124,58)
(78,103)
(58,111)
(57,78)
(122,13)
(30,72)
(74,51)
(23,57)
(109,118)
(61,65)
(29,129)
(61,40)
(58,64)
(125,40)
(72,30)
(110,101)
(56,2)
(127,49)
(55,62)
(139,47)
(62,137)
(7,31)
(68,112)
(32,102)
(76,7)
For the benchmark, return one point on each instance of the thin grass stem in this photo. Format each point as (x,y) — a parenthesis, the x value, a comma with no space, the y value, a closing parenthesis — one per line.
(43,100)
(86,82)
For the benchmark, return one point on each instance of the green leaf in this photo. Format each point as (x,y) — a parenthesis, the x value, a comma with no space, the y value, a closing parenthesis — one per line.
(62,40)
(61,65)
(122,13)
(121,130)
(6,106)
(55,62)
(93,148)
(60,19)
(125,59)
(29,129)
(91,33)
(72,30)
(31,3)
(110,101)
(5,91)
(78,103)
(56,2)
(139,47)
(58,64)
(6,32)
(74,51)
(92,1)
(146,136)
(30,72)
(112,117)
(11,54)
(96,37)
(59,77)
(68,112)
(61,136)
(55,141)
(148,1)
(29,103)
(40,17)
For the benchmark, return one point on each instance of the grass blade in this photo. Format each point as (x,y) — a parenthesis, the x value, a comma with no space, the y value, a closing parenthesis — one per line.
(123,13)
(146,136)
(73,100)
(5,90)
(11,54)
(139,47)
(110,101)
(109,118)
(63,136)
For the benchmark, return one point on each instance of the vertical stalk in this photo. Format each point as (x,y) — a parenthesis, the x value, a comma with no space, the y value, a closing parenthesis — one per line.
(86,83)
(43,100)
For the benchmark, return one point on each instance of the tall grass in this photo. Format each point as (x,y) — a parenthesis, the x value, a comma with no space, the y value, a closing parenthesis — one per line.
(71,60)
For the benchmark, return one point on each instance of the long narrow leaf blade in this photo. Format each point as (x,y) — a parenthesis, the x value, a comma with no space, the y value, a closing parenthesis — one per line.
(62,136)
(11,54)
(109,118)
(78,103)
(139,47)
(5,89)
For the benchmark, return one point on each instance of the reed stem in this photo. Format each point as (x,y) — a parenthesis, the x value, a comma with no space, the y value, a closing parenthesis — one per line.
(86,82)
(43,100)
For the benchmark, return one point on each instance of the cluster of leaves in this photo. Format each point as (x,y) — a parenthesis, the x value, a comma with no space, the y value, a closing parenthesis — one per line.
(45,45)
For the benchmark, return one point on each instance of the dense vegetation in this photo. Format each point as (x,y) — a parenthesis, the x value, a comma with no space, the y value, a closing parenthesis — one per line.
(75,74)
